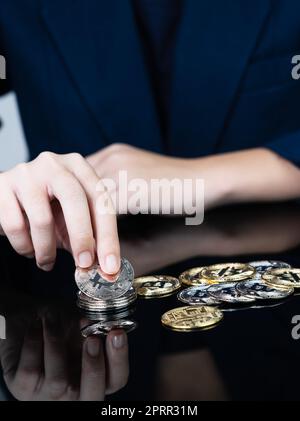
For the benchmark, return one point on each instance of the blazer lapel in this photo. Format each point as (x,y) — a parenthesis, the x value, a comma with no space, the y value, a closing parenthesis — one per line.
(99,44)
(214,43)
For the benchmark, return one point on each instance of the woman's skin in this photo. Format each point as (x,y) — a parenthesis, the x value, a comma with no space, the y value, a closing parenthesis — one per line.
(52,201)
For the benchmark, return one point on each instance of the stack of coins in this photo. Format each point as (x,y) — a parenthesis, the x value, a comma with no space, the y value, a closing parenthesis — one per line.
(221,287)
(100,295)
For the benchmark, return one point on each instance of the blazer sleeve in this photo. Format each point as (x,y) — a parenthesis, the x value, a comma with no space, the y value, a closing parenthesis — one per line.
(288,147)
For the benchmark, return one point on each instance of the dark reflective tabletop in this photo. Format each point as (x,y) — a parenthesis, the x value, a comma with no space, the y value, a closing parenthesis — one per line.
(250,355)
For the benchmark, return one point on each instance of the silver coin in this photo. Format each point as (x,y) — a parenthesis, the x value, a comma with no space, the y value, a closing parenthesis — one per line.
(86,303)
(196,296)
(263,265)
(95,284)
(104,327)
(228,293)
(256,288)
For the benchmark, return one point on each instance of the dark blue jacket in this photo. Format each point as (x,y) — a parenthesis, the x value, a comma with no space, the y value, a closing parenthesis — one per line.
(79,73)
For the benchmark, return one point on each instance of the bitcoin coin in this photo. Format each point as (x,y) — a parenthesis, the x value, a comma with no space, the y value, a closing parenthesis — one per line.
(263,265)
(89,304)
(156,285)
(196,296)
(228,272)
(259,289)
(283,278)
(192,277)
(104,327)
(188,319)
(95,284)
(228,293)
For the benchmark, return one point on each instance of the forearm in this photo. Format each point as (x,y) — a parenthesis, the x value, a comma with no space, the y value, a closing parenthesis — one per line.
(251,175)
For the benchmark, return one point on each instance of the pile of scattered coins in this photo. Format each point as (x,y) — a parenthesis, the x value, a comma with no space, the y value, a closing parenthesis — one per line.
(209,292)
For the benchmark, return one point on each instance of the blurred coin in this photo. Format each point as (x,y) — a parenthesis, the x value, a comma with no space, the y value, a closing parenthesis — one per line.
(115,314)
(192,277)
(156,285)
(283,278)
(263,265)
(197,296)
(227,292)
(257,288)
(95,284)
(228,272)
(188,319)
(103,328)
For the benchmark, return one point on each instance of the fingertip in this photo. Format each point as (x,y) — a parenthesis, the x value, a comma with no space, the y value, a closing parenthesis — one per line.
(112,264)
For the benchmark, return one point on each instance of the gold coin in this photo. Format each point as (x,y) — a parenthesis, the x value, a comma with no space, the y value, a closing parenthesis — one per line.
(156,285)
(228,272)
(192,277)
(283,277)
(191,318)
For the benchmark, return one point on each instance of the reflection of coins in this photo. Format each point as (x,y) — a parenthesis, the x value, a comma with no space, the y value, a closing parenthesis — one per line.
(197,296)
(263,265)
(103,328)
(193,277)
(188,319)
(227,292)
(259,289)
(86,303)
(283,278)
(154,286)
(228,272)
(93,282)
(108,315)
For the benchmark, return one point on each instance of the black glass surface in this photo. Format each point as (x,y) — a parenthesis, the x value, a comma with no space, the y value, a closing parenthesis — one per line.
(251,355)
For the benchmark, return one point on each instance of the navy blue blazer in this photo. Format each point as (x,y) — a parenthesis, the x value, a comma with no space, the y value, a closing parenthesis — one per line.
(81,79)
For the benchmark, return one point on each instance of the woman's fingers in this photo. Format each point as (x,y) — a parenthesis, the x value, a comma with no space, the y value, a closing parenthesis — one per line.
(102,212)
(117,361)
(13,222)
(92,387)
(88,211)
(73,200)
(37,208)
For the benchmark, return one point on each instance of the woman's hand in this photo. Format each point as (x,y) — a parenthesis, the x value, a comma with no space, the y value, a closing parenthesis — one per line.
(250,175)
(51,202)
(141,165)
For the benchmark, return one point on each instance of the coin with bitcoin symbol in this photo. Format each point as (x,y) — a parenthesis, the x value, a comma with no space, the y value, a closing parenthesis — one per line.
(156,285)
(283,278)
(189,319)
(96,284)
(192,277)
(228,272)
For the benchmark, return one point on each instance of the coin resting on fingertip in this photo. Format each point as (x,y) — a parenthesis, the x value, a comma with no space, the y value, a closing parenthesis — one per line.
(95,284)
